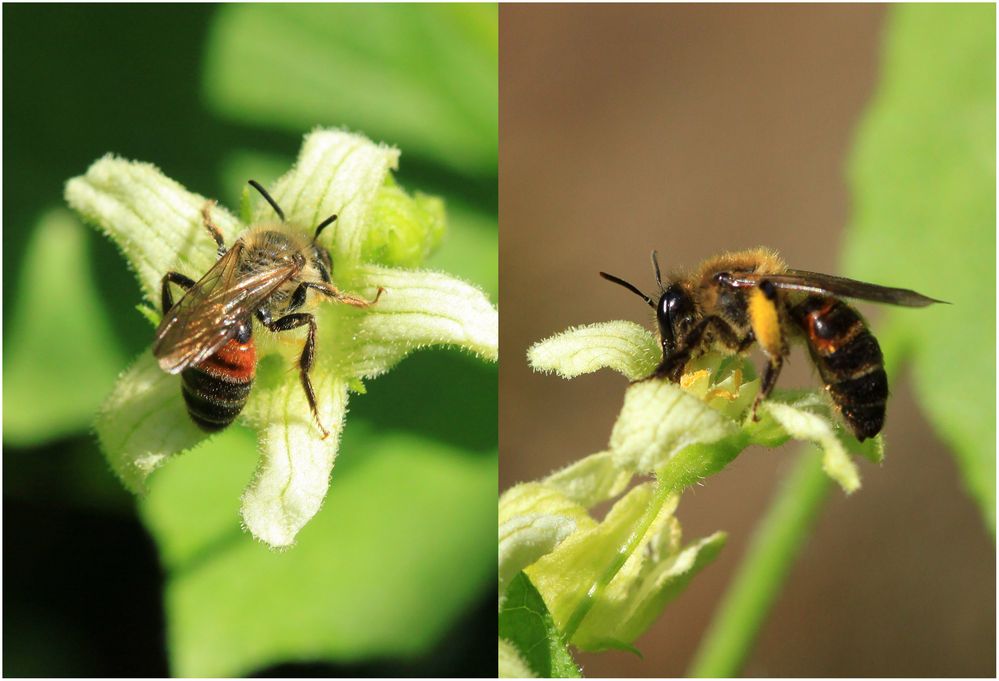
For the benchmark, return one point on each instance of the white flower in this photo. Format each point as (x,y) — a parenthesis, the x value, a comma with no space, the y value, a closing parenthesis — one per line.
(157,224)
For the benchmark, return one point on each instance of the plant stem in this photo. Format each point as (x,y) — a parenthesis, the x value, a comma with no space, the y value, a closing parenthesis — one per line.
(774,546)
(662,491)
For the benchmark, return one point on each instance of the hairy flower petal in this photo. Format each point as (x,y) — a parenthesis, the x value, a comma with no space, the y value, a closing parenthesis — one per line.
(418,309)
(625,347)
(154,221)
(143,422)
(337,173)
(294,471)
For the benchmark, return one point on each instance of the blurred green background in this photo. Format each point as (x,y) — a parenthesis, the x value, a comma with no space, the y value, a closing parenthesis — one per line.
(396,575)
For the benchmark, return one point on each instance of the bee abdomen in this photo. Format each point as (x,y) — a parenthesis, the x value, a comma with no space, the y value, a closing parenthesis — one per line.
(849,361)
(216,390)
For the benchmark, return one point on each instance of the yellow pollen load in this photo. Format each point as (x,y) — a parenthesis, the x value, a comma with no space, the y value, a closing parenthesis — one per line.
(766,325)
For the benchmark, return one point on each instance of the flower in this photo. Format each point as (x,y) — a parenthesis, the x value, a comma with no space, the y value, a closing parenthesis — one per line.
(380,233)
(604,582)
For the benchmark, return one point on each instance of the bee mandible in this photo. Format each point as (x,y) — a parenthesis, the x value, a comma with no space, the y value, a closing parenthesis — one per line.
(737,299)
(207,336)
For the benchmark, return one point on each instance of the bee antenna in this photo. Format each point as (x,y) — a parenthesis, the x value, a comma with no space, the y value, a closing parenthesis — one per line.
(263,192)
(323,225)
(655,265)
(630,287)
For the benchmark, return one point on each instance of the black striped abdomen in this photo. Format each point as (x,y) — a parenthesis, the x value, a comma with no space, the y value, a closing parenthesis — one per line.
(849,361)
(216,390)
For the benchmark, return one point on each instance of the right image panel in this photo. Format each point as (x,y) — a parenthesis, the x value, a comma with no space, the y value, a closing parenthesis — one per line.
(747,387)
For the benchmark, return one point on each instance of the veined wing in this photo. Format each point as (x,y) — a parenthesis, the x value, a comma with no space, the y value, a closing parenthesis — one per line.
(827,284)
(209,314)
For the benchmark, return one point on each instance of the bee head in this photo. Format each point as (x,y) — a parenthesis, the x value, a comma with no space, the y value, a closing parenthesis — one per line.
(674,311)
(674,314)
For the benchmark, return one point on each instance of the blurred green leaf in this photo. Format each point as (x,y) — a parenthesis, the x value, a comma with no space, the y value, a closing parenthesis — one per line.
(62,357)
(525,622)
(923,179)
(403,544)
(423,77)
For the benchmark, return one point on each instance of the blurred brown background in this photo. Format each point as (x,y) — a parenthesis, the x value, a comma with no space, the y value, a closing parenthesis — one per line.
(694,130)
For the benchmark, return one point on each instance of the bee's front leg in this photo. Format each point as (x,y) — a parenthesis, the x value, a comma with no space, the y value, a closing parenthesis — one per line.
(673,364)
(206,219)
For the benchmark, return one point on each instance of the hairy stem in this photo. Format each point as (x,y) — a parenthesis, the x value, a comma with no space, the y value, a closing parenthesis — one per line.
(774,546)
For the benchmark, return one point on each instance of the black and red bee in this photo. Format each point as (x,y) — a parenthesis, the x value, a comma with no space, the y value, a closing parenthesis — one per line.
(207,336)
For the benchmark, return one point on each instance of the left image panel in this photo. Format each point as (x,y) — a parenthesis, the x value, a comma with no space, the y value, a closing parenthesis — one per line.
(250,340)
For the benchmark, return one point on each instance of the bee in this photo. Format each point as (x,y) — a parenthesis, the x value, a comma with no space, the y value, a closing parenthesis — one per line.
(207,336)
(735,300)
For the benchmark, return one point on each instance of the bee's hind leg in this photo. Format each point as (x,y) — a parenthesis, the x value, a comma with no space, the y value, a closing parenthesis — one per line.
(770,375)
(166,298)
(766,323)
(293,321)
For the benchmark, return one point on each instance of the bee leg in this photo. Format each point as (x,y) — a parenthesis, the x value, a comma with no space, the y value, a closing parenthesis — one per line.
(293,321)
(766,323)
(166,298)
(770,375)
(206,218)
(337,295)
(672,366)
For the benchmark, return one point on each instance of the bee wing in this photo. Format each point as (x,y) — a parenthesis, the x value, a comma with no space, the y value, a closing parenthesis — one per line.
(827,284)
(209,314)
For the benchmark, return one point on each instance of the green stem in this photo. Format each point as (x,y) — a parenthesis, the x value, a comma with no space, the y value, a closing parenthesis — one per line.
(774,546)
(662,491)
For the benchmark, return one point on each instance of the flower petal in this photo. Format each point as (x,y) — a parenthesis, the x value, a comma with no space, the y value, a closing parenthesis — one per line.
(802,424)
(294,471)
(590,480)
(626,347)
(638,594)
(418,309)
(511,664)
(564,577)
(526,538)
(154,221)
(337,173)
(144,421)
(658,420)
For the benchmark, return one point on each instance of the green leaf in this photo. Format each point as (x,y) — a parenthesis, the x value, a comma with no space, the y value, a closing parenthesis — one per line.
(923,181)
(62,356)
(421,76)
(401,547)
(526,623)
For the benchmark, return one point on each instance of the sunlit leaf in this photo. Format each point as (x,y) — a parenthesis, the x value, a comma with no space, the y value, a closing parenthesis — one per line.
(923,180)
